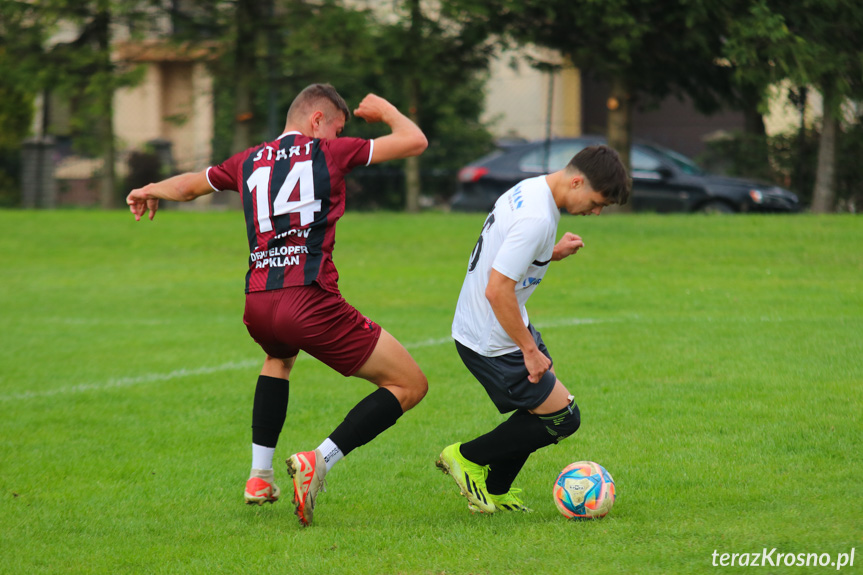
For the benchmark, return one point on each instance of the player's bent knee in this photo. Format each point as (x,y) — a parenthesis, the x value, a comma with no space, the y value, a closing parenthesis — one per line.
(409,388)
(572,422)
(415,391)
(564,423)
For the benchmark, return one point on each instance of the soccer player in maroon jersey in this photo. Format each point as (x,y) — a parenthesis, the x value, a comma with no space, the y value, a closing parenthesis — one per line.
(293,193)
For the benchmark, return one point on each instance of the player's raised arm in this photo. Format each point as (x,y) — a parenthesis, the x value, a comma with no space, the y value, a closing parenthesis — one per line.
(180,188)
(406,139)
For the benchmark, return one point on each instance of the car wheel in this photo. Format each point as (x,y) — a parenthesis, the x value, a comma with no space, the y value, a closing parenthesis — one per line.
(716,207)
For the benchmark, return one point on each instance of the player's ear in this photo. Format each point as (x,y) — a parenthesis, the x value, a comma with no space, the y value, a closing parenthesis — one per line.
(318,118)
(576,181)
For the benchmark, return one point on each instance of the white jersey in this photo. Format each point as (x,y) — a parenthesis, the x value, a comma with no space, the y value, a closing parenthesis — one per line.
(517,240)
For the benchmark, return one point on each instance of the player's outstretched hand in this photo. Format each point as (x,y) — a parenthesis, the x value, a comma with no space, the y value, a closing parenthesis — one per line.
(568,245)
(140,203)
(373,109)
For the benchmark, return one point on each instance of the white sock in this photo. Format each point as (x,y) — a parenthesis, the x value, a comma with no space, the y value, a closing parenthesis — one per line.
(331,453)
(262,457)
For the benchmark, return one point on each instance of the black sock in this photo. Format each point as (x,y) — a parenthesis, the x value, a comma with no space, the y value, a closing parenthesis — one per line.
(505,448)
(376,413)
(269,410)
(502,473)
(518,436)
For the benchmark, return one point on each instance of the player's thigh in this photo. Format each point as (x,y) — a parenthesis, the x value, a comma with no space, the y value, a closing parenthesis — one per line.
(390,364)
(558,399)
(278,367)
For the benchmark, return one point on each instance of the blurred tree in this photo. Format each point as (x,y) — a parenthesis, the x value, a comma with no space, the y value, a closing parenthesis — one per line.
(243,28)
(645,50)
(273,48)
(427,68)
(810,43)
(416,26)
(18,39)
(246,51)
(434,60)
(77,68)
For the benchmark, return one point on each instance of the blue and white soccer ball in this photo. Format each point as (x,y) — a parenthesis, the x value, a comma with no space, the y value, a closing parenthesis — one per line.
(584,490)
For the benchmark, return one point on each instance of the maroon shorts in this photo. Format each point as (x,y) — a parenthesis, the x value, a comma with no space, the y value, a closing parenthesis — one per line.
(308,318)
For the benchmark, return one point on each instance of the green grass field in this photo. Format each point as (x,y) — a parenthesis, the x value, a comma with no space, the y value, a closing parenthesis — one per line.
(717,362)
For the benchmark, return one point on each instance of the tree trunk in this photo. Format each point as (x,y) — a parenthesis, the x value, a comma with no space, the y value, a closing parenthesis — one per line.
(825,176)
(755,131)
(802,95)
(620,120)
(753,120)
(412,164)
(244,70)
(107,188)
(620,123)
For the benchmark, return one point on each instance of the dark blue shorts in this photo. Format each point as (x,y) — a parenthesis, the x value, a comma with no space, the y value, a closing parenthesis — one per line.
(504,377)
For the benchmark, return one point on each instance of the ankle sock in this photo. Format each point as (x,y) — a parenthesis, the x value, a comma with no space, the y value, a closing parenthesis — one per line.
(331,452)
(262,457)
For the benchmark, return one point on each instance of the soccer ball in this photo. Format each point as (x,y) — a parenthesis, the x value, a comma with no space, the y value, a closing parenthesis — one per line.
(584,490)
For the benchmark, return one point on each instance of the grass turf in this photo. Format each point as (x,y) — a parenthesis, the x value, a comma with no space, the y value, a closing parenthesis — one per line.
(717,362)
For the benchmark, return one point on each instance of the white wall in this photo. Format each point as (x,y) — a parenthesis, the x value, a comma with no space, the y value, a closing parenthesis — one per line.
(517,99)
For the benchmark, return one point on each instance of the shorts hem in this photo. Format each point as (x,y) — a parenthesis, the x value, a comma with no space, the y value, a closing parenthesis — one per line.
(353,370)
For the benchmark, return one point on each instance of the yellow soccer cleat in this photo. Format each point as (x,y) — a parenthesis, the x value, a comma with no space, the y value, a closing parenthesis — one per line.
(469,477)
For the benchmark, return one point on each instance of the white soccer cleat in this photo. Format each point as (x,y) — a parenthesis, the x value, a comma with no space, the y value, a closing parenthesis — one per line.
(307,469)
(261,488)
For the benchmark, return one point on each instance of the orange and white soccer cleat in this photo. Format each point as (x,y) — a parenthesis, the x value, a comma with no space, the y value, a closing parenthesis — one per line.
(308,469)
(261,488)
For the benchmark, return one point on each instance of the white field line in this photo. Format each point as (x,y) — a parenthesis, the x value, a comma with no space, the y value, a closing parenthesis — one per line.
(121,382)
(131,381)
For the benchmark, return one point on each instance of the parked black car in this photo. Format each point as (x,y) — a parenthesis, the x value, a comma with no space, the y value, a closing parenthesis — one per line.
(662,180)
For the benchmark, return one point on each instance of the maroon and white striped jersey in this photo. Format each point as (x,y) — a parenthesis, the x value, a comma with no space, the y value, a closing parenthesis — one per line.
(293,192)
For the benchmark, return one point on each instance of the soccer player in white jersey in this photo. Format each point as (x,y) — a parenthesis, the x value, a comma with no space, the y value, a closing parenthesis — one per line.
(492,332)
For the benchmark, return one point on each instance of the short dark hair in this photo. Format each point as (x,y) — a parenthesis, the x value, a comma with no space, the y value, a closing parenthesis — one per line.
(313,95)
(607,175)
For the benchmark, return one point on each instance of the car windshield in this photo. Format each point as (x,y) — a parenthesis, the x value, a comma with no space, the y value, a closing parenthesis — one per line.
(686,165)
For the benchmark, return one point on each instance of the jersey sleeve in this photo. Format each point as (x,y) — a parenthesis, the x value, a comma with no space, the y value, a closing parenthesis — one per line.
(225,175)
(350,152)
(524,242)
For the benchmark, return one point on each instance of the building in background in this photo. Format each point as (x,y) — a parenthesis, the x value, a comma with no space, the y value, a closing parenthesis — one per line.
(161,125)
(674,123)
(174,102)
(524,102)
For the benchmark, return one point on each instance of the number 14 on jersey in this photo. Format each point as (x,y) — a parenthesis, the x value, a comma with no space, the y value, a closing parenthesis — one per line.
(307,206)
